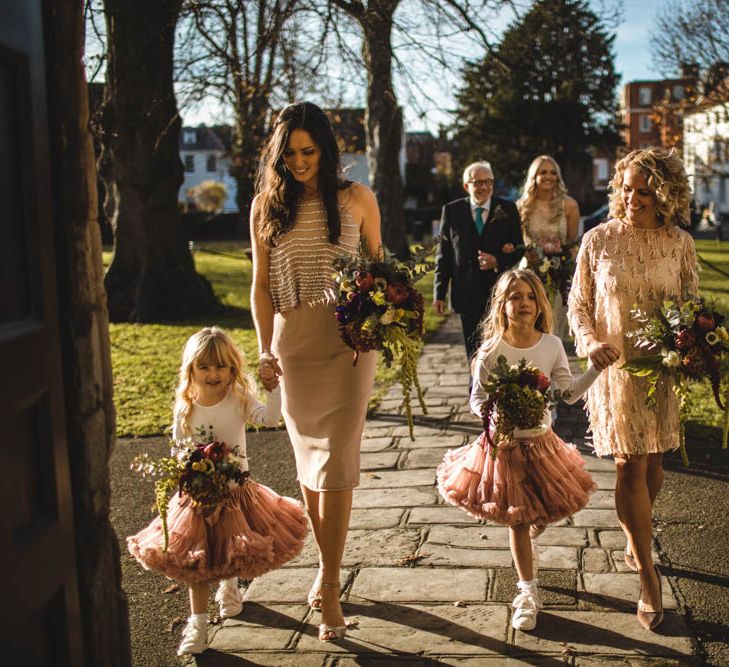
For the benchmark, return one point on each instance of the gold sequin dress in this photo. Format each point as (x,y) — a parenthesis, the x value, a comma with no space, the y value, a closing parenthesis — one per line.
(620,266)
(324,397)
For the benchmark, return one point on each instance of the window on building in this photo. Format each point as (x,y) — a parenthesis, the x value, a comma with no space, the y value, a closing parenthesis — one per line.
(602,171)
(212,163)
(644,123)
(645,96)
(189,163)
(722,188)
(678,92)
(189,137)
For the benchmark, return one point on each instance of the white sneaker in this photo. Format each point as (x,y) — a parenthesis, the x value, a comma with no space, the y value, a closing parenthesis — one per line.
(229,598)
(194,637)
(526,607)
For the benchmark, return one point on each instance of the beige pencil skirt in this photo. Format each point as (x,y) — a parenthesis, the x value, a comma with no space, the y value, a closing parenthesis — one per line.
(324,397)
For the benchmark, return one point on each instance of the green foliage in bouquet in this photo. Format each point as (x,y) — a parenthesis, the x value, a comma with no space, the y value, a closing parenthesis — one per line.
(685,343)
(378,308)
(518,397)
(201,471)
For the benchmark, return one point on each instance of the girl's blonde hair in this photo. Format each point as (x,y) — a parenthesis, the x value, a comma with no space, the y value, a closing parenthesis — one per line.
(210,346)
(495,323)
(528,199)
(664,171)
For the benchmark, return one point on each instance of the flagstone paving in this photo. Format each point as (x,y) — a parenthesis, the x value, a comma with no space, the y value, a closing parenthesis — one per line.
(428,585)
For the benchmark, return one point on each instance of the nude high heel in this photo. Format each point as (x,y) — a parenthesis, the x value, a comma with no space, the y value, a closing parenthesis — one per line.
(650,620)
(330,633)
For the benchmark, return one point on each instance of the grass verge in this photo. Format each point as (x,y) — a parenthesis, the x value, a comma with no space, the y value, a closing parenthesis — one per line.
(146,357)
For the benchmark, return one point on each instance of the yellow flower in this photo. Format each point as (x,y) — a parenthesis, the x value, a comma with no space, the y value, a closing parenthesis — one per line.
(196,466)
(381,283)
(378,298)
(722,333)
(711,338)
(346,284)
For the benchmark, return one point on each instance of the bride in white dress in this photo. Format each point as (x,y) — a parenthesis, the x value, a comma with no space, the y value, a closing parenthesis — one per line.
(548,212)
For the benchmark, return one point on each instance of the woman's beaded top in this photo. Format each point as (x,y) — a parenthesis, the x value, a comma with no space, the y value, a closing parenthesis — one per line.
(301,263)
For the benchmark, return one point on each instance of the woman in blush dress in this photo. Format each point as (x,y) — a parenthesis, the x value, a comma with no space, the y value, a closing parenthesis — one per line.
(548,213)
(638,258)
(303,217)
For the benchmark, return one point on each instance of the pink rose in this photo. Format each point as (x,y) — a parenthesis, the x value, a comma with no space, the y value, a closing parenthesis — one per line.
(364,280)
(396,293)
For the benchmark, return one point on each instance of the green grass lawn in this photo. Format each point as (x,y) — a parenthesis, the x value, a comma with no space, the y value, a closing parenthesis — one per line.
(705,417)
(145,357)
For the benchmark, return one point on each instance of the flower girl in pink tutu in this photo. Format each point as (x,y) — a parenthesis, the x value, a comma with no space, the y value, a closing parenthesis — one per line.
(252,530)
(530,477)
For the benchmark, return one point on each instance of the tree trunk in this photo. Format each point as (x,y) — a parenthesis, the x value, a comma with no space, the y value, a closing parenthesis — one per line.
(152,275)
(84,331)
(383,121)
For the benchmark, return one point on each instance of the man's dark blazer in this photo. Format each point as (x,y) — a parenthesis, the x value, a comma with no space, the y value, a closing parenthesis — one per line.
(457,256)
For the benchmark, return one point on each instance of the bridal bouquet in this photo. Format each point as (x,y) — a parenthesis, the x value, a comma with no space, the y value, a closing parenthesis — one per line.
(378,308)
(687,343)
(554,262)
(518,396)
(202,471)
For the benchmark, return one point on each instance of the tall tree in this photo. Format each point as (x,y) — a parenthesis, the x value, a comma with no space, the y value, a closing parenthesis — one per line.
(379,26)
(152,275)
(249,56)
(549,88)
(694,35)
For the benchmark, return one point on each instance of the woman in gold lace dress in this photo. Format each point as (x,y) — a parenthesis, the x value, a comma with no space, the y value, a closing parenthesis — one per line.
(640,257)
(304,216)
(547,212)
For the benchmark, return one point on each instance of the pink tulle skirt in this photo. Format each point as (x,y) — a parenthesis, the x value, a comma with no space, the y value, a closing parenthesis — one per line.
(536,481)
(248,534)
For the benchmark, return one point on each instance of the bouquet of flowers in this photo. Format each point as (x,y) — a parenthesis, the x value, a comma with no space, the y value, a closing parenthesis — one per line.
(200,470)
(379,309)
(688,343)
(518,396)
(554,262)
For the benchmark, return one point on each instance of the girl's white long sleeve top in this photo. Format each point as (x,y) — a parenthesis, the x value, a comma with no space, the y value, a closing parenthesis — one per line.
(548,356)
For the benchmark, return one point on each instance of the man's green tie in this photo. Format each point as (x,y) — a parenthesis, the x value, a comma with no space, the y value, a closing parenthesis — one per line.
(479,219)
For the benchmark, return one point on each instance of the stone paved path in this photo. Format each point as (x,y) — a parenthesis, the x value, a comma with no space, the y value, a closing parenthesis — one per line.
(453,606)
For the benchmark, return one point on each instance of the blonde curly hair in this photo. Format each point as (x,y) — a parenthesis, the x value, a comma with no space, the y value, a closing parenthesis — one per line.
(528,199)
(666,176)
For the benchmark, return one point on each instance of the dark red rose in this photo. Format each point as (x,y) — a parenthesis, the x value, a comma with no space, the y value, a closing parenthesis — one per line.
(685,339)
(396,293)
(543,382)
(215,451)
(705,322)
(364,280)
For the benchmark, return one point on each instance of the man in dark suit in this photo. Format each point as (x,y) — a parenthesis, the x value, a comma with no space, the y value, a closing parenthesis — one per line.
(473,233)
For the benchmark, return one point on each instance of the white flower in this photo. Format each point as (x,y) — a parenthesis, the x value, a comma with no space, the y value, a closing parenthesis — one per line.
(554,263)
(388,316)
(671,359)
(711,338)
(544,266)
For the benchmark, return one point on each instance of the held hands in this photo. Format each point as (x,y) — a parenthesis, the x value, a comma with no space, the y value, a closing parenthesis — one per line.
(268,370)
(440,306)
(602,355)
(487,262)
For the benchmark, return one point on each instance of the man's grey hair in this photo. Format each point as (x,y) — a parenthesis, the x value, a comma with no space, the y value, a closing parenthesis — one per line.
(474,165)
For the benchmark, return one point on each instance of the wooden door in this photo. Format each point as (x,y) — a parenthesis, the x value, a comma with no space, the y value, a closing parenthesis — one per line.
(40,620)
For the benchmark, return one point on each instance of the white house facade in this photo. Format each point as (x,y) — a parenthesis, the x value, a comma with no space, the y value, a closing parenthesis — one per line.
(706,155)
(204,155)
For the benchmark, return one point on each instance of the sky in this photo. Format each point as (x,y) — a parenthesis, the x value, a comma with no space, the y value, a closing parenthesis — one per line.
(632,51)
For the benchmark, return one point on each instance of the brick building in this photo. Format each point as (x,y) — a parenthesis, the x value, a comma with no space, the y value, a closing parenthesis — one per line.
(652,111)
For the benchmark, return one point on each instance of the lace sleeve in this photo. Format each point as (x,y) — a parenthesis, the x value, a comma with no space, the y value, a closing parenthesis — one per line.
(478,394)
(581,303)
(689,268)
